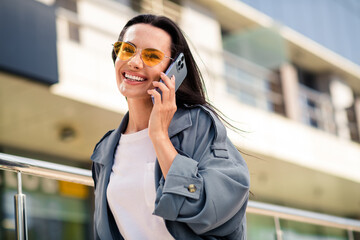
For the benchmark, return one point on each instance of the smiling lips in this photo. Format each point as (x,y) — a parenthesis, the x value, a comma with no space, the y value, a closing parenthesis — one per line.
(134,78)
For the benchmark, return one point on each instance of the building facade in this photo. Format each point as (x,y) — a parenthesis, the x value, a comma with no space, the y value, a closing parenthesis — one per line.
(287,73)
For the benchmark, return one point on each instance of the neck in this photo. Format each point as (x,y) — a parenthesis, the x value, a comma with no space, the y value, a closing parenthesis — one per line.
(139,114)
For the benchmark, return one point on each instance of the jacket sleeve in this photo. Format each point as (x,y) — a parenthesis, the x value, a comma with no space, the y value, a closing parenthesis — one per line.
(208,189)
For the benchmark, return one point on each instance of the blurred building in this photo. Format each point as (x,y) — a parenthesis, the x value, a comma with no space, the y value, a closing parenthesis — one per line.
(286,72)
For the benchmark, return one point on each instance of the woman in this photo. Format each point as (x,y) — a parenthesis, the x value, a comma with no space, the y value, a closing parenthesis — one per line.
(169,171)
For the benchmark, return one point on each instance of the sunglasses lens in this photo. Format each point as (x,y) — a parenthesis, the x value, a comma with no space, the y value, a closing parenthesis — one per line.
(152,57)
(124,51)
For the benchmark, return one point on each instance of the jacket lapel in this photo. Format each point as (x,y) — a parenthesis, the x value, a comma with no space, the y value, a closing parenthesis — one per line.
(104,155)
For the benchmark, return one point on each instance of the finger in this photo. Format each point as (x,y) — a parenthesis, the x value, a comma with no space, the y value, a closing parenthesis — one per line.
(168,81)
(172,91)
(156,96)
(163,88)
(160,84)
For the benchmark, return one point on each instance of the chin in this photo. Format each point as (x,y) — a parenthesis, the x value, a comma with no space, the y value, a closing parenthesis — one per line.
(135,95)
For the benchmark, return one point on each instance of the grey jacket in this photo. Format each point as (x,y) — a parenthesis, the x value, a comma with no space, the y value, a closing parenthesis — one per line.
(207,187)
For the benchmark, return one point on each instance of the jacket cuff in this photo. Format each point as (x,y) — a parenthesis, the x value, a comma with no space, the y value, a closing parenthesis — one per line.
(181,181)
(182,178)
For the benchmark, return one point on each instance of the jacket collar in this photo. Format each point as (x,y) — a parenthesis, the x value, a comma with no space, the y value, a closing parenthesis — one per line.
(180,121)
(105,150)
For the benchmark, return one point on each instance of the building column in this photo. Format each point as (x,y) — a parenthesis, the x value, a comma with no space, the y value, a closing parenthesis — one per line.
(290,85)
(342,98)
(357,114)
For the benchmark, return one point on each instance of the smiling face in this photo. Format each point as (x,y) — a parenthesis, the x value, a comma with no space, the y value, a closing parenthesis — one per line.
(133,77)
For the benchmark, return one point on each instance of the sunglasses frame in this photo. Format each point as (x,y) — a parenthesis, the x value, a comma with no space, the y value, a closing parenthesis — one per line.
(140,49)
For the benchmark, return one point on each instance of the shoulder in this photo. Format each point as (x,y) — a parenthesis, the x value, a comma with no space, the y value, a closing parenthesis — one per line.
(202,121)
(99,149)
(109,140)
(200,114)
(103,138)
(205,117)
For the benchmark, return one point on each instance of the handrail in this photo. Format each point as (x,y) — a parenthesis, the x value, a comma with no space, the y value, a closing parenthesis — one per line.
(303,216)
(83,176)
(45,169)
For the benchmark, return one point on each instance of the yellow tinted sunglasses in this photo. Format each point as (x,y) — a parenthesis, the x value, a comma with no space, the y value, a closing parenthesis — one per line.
(150,56)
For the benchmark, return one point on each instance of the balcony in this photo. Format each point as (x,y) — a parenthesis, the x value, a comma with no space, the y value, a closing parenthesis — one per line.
(247,82)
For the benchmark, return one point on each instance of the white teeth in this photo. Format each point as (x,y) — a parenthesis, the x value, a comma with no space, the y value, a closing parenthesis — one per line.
(135,78)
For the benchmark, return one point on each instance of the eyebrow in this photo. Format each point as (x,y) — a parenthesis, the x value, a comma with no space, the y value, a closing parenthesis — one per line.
(143,48)
(131,43)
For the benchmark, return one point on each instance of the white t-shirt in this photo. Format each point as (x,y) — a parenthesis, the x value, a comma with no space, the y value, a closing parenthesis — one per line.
(131,190)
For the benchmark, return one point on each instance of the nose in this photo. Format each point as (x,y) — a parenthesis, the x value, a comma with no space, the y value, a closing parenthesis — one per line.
(136,61)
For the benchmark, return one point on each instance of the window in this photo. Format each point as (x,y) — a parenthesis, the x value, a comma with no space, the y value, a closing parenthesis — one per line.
(73,27)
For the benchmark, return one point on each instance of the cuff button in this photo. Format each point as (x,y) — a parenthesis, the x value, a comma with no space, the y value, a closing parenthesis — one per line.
(192,188)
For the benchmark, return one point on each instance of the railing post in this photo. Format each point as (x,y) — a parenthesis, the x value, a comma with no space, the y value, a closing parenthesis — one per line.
(20,211)
(277,228)
(350,234)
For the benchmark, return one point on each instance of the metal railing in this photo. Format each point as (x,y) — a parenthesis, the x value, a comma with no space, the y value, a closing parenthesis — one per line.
(317,109)
(34,167)
(280,212)
(247,81)
(23,165)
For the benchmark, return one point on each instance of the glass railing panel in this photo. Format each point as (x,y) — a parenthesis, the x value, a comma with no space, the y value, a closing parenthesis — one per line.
(55,209)
(260,227)
(249,89)
(252,84)
(292,230)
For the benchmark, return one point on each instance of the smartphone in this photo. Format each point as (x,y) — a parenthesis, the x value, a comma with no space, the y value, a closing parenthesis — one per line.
(178,69)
